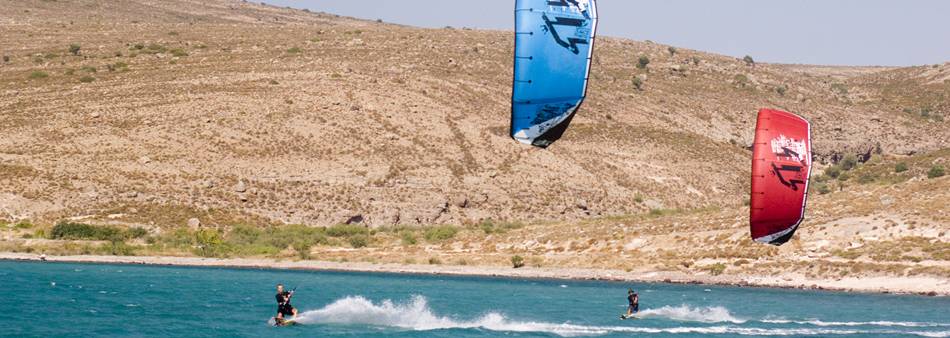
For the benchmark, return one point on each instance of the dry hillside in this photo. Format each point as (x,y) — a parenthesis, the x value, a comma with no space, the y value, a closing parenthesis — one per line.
(156,112)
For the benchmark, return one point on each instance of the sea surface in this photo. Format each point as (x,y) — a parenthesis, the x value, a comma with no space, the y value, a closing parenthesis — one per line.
(56,300)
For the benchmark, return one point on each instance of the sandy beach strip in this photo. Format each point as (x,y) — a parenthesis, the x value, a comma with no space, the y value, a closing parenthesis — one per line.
(932,286)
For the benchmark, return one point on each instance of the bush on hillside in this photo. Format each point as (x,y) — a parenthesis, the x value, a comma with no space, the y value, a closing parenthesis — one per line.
(936,171)
(441,233)
(643,62)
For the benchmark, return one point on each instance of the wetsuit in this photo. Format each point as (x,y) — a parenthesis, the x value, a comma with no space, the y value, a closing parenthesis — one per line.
(283,304)
(634,303)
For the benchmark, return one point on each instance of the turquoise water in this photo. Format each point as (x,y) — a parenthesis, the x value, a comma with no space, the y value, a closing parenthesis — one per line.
(53,299)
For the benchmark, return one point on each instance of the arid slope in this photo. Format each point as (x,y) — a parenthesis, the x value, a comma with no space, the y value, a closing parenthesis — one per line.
(231,112)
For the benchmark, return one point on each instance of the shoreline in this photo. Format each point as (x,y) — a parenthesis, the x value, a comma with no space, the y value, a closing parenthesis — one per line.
(880,285)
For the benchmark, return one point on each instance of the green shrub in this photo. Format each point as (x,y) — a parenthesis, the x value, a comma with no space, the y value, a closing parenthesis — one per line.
(716,269)
(82,231)
(180,238)
(435,261)
(173,33)
(781,90)
(302,247)
(490,227)
(833,171)
(244,234)
(672,50)
(6,58)
(23,225)
(643,62)
(178,52)
(346,230)
(866,178)
(440,233)
(822,188)
(87,79)
(408,238)
(900,167)
(74,49)
(741,80)
(517,262)
(936,171)
(749,60)
(88,69)
(154,49)
(137,232)
(294,50)
(844,176)
(209,242)
(359,241)
(38,74)
(637,83)
(250,241)
(849,162)
(118,248)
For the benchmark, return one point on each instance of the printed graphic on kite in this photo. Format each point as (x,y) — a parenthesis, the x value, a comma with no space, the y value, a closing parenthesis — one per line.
(553,48)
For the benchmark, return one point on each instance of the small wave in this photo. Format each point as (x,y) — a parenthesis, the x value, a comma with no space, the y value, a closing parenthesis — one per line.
(714,314)
(817,322)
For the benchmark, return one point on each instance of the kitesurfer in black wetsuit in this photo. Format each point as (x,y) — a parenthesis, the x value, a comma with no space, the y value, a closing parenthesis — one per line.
(283,304)
(634,300)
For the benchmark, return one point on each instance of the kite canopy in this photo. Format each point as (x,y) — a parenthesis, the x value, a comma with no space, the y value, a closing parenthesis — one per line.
(554,41)
(781,166)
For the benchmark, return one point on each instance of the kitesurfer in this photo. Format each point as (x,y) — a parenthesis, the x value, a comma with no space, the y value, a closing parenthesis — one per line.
(634,300)
(283,304)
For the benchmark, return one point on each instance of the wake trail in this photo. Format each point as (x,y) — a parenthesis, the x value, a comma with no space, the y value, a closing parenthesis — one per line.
(818,322)
(416,315)
(685,313)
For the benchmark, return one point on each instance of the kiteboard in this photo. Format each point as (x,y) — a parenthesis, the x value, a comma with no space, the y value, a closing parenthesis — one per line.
(625,317)
(284,322)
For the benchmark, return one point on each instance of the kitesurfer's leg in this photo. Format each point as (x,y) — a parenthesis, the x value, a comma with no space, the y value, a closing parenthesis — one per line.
(295,313)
